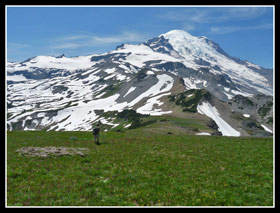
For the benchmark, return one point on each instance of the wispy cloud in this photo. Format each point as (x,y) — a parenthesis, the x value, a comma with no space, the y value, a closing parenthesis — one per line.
(67,45)
(246,12)
(14,45)
(77,41)
(18,49)
(213,15)
(230,29)
(216,20)
(188,27)
(73,37)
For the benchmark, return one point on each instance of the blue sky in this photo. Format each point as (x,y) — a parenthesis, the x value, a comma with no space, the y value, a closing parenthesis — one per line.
(243,32)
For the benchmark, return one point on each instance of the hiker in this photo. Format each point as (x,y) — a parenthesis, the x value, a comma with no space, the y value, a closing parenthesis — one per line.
(95,132)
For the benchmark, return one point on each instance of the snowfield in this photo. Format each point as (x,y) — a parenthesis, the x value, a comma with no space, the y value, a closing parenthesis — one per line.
(266,129)
(246,115)
(203,133)
(50,62)
(210,111)
(130,90)
(16,78)
(149,107)
(81,115)
(142,53)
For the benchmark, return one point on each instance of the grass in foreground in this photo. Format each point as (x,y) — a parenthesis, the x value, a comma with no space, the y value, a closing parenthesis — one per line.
(134,169)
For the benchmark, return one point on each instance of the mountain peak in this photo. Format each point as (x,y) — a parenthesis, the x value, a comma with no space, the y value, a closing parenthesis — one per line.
(187,45)
(177,33)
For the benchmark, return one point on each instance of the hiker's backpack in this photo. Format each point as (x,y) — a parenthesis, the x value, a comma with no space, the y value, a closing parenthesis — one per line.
(96,131)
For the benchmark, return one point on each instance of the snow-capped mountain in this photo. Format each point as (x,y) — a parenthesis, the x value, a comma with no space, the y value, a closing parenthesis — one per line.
(61,93)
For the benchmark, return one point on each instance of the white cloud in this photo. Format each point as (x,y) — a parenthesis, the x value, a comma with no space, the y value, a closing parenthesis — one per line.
(230,29)
(213,14)
(246,12)
(188,27)
(77,41)
(17,45)
(67,45)
(73,37)
(224,30)
(14,48)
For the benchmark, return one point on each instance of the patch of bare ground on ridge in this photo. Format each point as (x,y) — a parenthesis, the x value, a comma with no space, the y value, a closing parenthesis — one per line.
(51,151)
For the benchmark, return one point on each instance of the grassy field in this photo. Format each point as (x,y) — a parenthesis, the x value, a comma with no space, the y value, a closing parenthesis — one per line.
(133,168)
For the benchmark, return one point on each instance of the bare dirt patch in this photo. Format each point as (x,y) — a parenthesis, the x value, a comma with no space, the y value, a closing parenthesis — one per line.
(51,150)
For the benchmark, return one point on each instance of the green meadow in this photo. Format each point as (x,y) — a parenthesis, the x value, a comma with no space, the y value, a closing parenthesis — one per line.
(140,168)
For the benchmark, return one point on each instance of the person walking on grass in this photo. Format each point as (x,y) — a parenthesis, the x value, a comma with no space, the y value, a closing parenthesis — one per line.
(96,133)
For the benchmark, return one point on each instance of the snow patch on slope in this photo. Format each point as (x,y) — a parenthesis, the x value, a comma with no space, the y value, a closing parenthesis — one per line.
(130,90)
(80,117)
(164,84)
(210,111)
(203,133)
(139,54)
(16,78)
(266,129)
(50,62)
(192,83)
(148,108)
